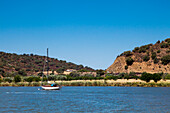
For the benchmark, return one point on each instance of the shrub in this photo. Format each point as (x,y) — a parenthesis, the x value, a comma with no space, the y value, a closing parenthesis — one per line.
(17,69)
(60,70)
(167,40)
(146,58)
(146,77)
(100,72)
(22,72)
(165,59)
(17,78)
(156,77)
(158,42)
(153,55)
(167,76)
(158,51)
(155,60)
(7,79)
(142,50)
(168,51)
(136,49)
(126,67)
(0,80)
(127,53)
(164,45)
(129,61)
(61,77)
(111,77)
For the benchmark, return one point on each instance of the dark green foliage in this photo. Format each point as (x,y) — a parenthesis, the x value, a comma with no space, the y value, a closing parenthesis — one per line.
(111,77)
(165,59)
(167,77)
(126,67)
(158,42)
(40,74)
(2,72)
(156,60)
(17,78)
(0,79)
(28,69)
(156,77)
(146,77)
(158,51)
(60,70)
(82,70)
(146,58)
(38,61)
(164,45)
(167,40)
(168,51)
(22,72)
(136,49)
(8,79)
(32,63)
(32,78)
(100,72)
(153,55)
(142,50)
(17,68)
(61,77)
(45,79)
(129,61)
(127,53)
(73,74)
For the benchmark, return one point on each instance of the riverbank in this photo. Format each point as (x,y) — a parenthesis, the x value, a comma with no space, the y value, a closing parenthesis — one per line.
(119,82)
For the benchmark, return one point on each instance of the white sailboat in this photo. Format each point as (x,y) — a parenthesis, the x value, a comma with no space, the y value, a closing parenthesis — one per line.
(52,86)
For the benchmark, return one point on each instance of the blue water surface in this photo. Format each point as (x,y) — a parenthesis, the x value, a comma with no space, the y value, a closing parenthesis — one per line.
(86,99)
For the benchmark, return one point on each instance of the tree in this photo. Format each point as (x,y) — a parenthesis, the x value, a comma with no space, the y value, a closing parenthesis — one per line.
(158,51)
(156,77)
(126,67)
(60,70)
(146,77)
(127,53)
(17,78)
(146,58)
(153,55)
(129,61)
(164,45)
(8,79)
(136,49)
(165,59)
(0,79)
(22,72)
(100,72)
(155,60)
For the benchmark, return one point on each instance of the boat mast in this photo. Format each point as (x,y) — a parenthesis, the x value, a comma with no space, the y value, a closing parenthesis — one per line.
(47,64)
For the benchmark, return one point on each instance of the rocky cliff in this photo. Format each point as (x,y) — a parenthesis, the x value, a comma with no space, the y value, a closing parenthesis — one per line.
(148,58)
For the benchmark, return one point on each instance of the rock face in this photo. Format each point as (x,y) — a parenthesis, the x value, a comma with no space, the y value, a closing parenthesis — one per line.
(144,59)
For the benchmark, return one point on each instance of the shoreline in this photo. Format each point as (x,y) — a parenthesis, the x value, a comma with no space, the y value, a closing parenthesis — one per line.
(119,82)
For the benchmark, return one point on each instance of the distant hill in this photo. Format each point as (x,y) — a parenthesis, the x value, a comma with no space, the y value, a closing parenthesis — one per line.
(148,58)
(29,64)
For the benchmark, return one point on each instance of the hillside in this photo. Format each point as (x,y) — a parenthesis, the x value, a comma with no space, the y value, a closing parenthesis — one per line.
(29,64)
(148,58)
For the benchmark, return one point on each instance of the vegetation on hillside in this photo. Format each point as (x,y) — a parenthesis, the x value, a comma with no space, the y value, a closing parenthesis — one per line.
(157,53)
(29,64)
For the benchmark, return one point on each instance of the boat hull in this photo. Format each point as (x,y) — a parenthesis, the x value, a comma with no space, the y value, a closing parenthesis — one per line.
(50,88)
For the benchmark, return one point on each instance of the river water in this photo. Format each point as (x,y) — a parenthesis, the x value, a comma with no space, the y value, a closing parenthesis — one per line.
(86,99)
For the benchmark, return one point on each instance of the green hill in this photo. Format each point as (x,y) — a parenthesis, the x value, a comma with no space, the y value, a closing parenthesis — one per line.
(29,64)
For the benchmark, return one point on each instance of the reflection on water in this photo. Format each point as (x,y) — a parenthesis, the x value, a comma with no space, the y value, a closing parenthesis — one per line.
(85,99)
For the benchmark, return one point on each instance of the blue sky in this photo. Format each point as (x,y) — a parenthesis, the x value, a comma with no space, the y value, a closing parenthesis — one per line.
(88,32)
